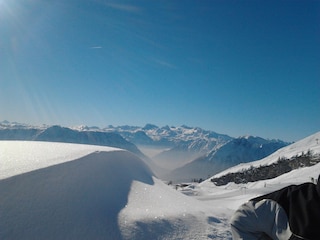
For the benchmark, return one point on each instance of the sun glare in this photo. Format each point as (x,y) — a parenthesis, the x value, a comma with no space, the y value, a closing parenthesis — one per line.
(5,8)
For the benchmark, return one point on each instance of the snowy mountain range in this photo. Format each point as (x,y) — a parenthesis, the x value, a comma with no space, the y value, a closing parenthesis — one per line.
(235,151)
(171,137)
(178,153)
(51,190)
(176,146)
(192,152)
(17,131)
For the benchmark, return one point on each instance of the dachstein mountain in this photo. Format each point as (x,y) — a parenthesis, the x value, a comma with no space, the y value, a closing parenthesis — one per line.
(172,147)
(170,137)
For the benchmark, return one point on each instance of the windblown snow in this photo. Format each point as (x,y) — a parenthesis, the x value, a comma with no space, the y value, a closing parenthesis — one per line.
(73,191)
(19,157)
(70,191)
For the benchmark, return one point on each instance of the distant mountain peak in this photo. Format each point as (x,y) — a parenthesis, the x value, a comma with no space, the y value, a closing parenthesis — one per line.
(247,136)
(86,128)
(150,126)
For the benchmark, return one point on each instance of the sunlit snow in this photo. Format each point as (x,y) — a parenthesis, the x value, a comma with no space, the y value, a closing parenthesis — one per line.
(72,191)
(18,157)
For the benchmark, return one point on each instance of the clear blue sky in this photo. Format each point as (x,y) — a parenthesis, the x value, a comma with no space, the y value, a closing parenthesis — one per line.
(234,67)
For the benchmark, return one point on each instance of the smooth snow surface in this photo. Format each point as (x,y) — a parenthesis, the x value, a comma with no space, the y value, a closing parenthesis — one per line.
(97,193)
(71,191)
(18,157)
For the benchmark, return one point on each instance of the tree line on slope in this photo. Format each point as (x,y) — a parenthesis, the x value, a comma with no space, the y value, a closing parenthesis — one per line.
(283,165)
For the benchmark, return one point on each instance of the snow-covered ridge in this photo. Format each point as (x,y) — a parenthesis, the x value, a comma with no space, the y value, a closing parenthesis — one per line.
(311,143)
(18,157)
(233,195)
(14,125)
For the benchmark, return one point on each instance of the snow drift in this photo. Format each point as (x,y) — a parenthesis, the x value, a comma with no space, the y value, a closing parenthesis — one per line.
(73,191)
(71,200)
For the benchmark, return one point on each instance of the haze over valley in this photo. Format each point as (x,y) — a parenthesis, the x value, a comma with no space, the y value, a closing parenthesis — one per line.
(176,154)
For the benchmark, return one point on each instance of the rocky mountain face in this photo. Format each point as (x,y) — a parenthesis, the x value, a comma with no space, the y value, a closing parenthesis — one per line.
(167,136)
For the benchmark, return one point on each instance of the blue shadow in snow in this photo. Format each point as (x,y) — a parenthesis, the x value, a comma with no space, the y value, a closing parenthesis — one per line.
(80,199)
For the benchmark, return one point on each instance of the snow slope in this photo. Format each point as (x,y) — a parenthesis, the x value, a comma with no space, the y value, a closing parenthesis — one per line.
(234,195)
(310,143)
(72,191)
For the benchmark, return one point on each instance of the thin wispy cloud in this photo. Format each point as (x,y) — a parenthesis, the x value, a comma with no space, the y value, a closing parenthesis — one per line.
(124,7)
(164,64)
(95,47)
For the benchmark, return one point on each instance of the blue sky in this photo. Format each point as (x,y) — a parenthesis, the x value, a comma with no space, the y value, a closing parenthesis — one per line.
(234,67)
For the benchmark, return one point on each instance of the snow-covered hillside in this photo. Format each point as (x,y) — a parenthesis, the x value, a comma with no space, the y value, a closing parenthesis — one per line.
(236,194)
(233,195)
(310,143)
(71,191)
